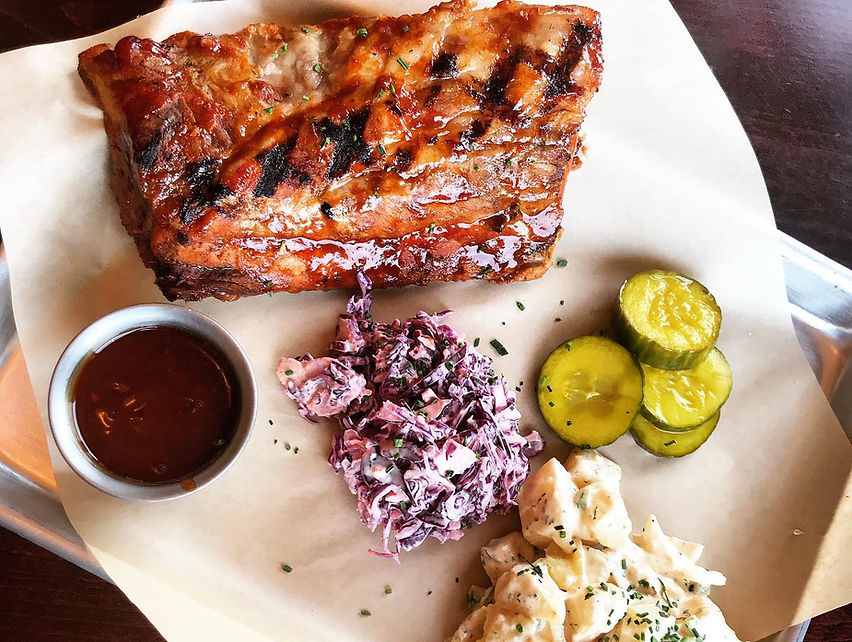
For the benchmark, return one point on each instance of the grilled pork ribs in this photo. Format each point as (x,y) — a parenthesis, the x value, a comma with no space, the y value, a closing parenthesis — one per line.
(414,148)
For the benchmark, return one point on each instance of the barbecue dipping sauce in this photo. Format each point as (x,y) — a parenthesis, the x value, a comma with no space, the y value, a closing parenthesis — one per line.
(156,404)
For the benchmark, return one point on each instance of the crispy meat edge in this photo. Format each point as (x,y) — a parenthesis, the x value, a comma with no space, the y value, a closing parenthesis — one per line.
(175,279)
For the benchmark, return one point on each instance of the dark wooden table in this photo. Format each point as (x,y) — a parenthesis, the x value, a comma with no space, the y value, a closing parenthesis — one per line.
(786,66)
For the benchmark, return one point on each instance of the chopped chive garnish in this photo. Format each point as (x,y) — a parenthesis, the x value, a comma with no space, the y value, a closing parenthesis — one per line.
(275,55)
(304,97)
(388,589)
(305,30)
(562,263)
(499,347)
(670,443)
(520,305)
(568,423)
(431,229)
(476,342)
(559,527)
(624,564)
(519,628)
(476,168)
(269,109)
(402,64)
(284,48)
(268,284)
(381,149)
(543,380)
(380,94)
(362,33)
(551,404)
(286,568)
(318,68)
(567,345)
(405,27)
(365,613)
(392,89)
(563,534)
(397,442)
(288,372)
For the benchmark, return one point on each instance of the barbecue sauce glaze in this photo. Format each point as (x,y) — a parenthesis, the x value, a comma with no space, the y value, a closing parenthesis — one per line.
(156,404)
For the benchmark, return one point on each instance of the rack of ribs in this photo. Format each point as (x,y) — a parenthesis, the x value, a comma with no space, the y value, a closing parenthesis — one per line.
(288,158)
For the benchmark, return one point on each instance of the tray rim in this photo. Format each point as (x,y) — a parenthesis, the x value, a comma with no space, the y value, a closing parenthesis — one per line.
(44,522)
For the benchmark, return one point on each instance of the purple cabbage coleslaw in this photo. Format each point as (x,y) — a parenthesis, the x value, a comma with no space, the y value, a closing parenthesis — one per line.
(430,442)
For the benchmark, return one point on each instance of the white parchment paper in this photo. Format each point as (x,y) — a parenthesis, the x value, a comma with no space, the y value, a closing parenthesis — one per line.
(670,181)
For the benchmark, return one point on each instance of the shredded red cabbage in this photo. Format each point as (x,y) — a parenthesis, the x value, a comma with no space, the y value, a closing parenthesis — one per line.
(430,442)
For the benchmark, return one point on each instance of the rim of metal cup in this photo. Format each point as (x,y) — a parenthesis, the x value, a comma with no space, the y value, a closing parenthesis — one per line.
(93,337)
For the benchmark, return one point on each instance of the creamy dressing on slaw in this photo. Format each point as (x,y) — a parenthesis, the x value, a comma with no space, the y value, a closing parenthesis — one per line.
(577,574)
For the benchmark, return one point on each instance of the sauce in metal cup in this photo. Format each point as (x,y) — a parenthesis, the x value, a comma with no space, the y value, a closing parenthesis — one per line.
(152,402)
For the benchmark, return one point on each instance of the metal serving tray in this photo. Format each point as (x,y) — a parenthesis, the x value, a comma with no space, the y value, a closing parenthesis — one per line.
(819,291)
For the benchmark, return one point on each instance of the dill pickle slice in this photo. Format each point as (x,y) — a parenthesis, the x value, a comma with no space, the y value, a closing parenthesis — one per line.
(671,444)
(666,319)
(681,400)
(589,391)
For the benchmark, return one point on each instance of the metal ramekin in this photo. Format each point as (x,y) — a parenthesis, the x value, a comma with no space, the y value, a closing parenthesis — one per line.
(61,412)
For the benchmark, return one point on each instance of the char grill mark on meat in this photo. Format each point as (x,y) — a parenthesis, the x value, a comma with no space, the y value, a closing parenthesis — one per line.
(277,167)
(476,130)
(559,71)
(347,141)
(201,174)
(149,153)
(204,196)
(445,65)
(431,147)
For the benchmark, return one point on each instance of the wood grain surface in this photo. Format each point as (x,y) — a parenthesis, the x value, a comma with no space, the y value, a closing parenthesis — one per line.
(786,66)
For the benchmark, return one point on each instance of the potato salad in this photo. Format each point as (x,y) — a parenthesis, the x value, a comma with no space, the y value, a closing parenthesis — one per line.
(576,573)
